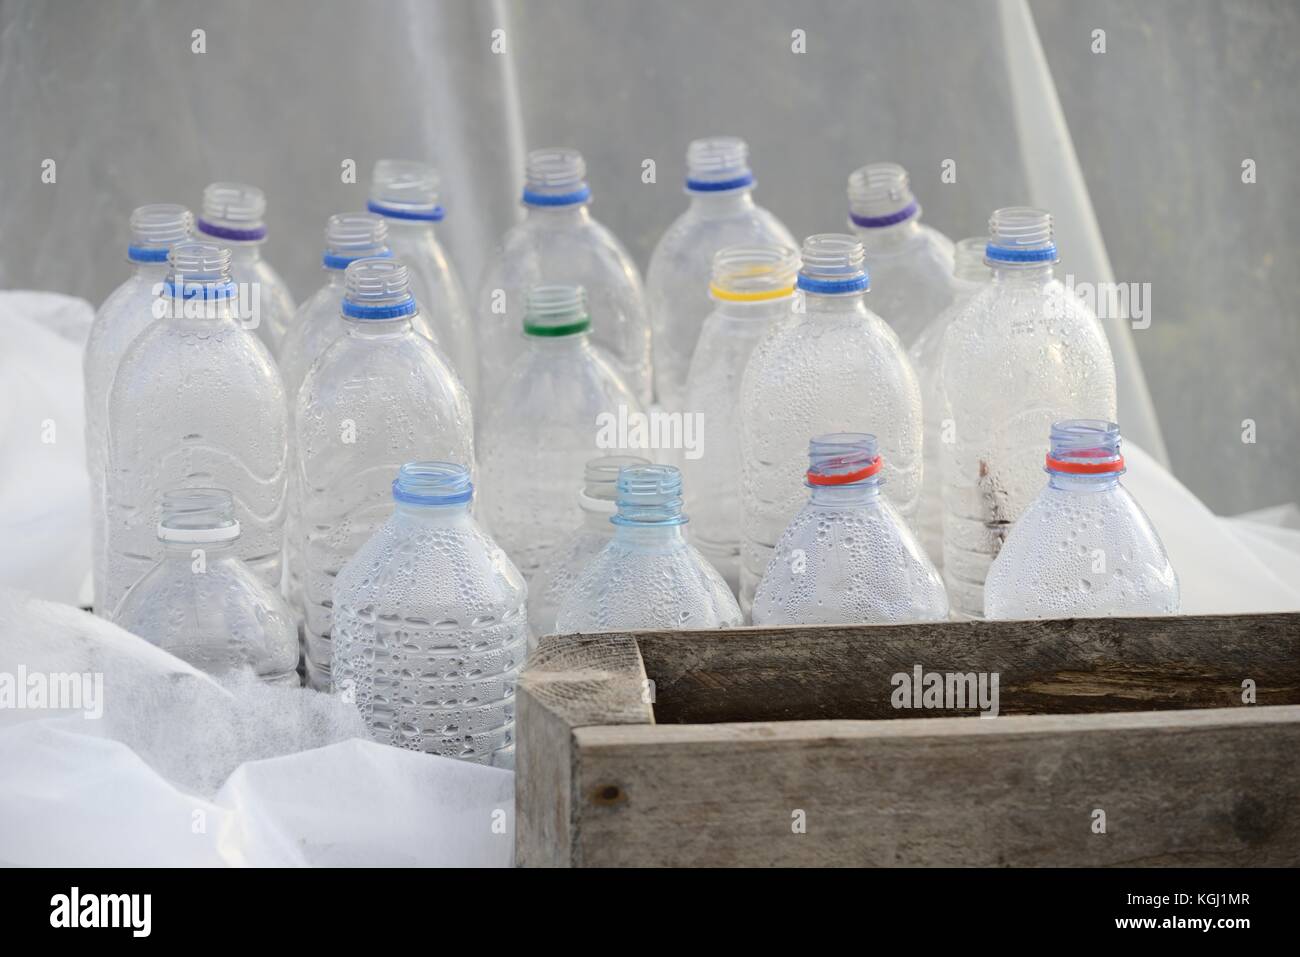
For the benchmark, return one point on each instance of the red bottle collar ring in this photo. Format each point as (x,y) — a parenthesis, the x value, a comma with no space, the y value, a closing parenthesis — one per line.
(847,478)
(1086,468)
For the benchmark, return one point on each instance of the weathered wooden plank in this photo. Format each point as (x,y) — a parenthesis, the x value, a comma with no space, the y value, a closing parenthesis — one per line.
(1217,787)
(1058,667)
(568,683)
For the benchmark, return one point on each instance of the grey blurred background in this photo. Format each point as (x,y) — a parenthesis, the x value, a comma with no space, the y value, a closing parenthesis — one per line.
(286,92)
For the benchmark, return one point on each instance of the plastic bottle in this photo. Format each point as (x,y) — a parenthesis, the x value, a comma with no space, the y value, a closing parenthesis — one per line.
(196,402)
(970,273)
(234,217)
(1084,548)
(407,193)
(832,366)
(570,558)
(201,603)
(1023,353)
(125,314)
(752,287)
(648,575)
(848,557)
(910,264)
(559,242)
(379,396)
(722,213)
(558,400)
(431,626)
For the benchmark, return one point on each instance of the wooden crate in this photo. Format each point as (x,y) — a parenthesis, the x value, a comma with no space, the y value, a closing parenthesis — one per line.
(1137,725)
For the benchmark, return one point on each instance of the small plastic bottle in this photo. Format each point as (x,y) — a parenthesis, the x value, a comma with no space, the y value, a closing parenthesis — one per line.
(201,603)
(848,557)
(234,217)
(1084,548)
(649,575)
(431,625)
(722,213)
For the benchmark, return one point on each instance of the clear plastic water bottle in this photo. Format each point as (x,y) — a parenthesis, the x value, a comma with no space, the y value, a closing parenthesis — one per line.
(752,287)
(722,213)
(196,402)
(848,557)
(430,624)
(910,264)
(125,314)
(649,575)
(570,558)
(559,242)
(407,194)
(549,416)
(1084,548)
(832,366)
(379,396)
(1021,354)
(201,603)
(234,217)
(970,273)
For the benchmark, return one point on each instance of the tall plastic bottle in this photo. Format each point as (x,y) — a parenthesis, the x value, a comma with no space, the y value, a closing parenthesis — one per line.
(752,287)
(407,194)
(1084,548)
(1021,354)
(848,557)
(560,400)
(832,366)
(970,273)
(125,314)
(431,626)
(910,263)
(570,558)
(234,216)
(196,402)
(379,396)
(558,241)
(722,213)
(201,603)
(649,575)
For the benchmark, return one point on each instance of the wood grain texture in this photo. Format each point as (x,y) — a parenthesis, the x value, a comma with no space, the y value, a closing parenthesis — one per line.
(1217,787)
(1045,667)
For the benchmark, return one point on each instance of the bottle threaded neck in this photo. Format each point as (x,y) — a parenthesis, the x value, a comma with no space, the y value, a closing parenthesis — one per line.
(155,229)
(833,264)
(649,495)
(199,270)
(717,164)
(377,289)
(1083,447)
(555,176)
(353,236)
(1020,236)
(754,273)
(600,481)
(968,259)
(233,211)
(880,195)
(555,310)
(843,458)
(405,189)
(197,515)
(432,484)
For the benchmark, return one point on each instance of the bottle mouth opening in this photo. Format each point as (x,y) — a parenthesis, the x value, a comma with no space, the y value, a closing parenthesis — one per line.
(718,164)
(353,236)
(1020,236)
(649,495)
(197,516)
(405,189)
(833,264)
(842,458)
(156,228)
(1085,447)
(233,211)
(754,273)
(432,484)
(377,288)
(600,475)
(880,195)
(555,176)
(556,309)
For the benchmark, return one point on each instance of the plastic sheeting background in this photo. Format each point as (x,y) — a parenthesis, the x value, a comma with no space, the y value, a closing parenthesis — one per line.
(286,92)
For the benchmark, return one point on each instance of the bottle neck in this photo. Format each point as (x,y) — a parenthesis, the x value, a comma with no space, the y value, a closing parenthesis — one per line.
(650,536)
(575,214)
(409,227)
(878,239)
(433,515)
(378,328)
(210,310)
(763,311)
(819,304)
(1070,482)
(174,551)
(551,345)
(1038,275)
(853,495)
(722,203)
